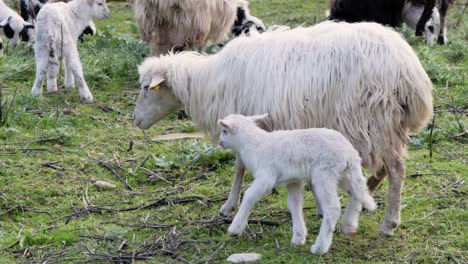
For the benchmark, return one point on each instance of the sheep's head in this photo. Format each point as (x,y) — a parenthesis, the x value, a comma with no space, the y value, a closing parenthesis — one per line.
(234,127)
(14,28)
(431,29)
(99,8)
(156,99)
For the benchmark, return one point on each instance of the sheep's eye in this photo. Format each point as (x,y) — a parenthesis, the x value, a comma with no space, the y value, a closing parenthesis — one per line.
(146,87)
(99,4)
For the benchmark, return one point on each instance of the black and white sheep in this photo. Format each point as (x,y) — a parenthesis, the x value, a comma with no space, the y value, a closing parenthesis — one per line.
(30,9)
(386,12)
(12,25)
(332,75)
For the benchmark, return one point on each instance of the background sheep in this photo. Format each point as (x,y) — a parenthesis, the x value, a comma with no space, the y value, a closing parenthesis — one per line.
(245,22)
(319,156)
(30,9)
(386,12)
(186,24)
(58,28)
(412,14)
(361,79)
(12,25)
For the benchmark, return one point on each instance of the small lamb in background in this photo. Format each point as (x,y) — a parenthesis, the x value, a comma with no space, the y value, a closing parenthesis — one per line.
(319,155)
(58,28)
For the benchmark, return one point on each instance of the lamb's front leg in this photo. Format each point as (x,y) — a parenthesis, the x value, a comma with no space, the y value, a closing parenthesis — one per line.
(295,205)
(262,185)
(233,200)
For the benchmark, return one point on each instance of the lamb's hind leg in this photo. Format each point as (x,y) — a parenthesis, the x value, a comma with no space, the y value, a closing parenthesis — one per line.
(396,169)
(41,69)
(69,79)
(326,192)
(73,58)
(233,199)
(295,205)
(52,71)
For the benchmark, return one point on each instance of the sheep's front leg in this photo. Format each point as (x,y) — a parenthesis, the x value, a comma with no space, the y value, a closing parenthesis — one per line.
(396,169)
(233,200)
(262,185)
(295,205)
(73,58)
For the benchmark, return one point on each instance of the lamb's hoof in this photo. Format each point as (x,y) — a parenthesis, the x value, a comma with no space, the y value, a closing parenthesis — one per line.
(298,240)
(317,250)
(87,98)
(350,230)
(36,92)
(235,230)
(52,89)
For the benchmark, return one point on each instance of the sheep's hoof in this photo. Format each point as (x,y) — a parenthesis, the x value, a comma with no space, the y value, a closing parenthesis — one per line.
(387,230)
(226,210)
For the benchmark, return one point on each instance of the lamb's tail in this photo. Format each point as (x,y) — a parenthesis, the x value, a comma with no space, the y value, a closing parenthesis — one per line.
(358,186)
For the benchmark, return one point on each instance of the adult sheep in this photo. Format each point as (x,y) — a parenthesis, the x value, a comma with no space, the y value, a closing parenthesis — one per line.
(386,12)
(184,25)
(361,79)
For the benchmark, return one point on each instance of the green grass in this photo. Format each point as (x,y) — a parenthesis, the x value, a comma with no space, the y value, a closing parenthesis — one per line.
(38,203)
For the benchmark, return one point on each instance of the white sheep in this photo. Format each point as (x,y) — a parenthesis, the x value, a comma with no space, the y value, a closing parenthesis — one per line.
(184,25)
(320,156)
(361,79)
(12,25)
(58,27)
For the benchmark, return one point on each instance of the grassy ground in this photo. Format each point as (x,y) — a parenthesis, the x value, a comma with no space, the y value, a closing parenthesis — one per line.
(53,147)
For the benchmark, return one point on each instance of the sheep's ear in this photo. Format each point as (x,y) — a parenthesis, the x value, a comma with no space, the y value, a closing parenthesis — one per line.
(224,124)
(28,25)
(257,118)
(156,83)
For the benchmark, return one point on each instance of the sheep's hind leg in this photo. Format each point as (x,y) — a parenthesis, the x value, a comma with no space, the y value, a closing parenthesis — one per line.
(233,199)
(326,192)
(41,69)
(71,54)
(262,185)
(295,205)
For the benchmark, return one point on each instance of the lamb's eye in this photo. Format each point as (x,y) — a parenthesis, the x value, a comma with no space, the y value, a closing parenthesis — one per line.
(224,131)
(146,87)
(99,4)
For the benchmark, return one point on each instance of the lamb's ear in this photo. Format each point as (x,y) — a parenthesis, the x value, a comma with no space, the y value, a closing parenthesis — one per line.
(224,124)
(257,118)
(156,83)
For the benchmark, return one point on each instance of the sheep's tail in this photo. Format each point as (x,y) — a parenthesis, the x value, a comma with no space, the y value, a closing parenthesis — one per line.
(417,101)
(359,187)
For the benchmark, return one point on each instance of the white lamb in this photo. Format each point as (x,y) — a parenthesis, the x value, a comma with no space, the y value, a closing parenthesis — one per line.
(362,80)
(58,27)
(291,157)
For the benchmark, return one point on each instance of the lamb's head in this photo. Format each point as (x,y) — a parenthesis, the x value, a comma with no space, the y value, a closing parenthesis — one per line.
(156,99)
(98,8)
(235,128)
(15,27)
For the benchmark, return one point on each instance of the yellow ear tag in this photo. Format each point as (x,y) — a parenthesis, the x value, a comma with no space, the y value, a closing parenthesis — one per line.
(155,88)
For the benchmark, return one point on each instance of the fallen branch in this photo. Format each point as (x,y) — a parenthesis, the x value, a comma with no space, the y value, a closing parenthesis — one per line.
(104,165)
